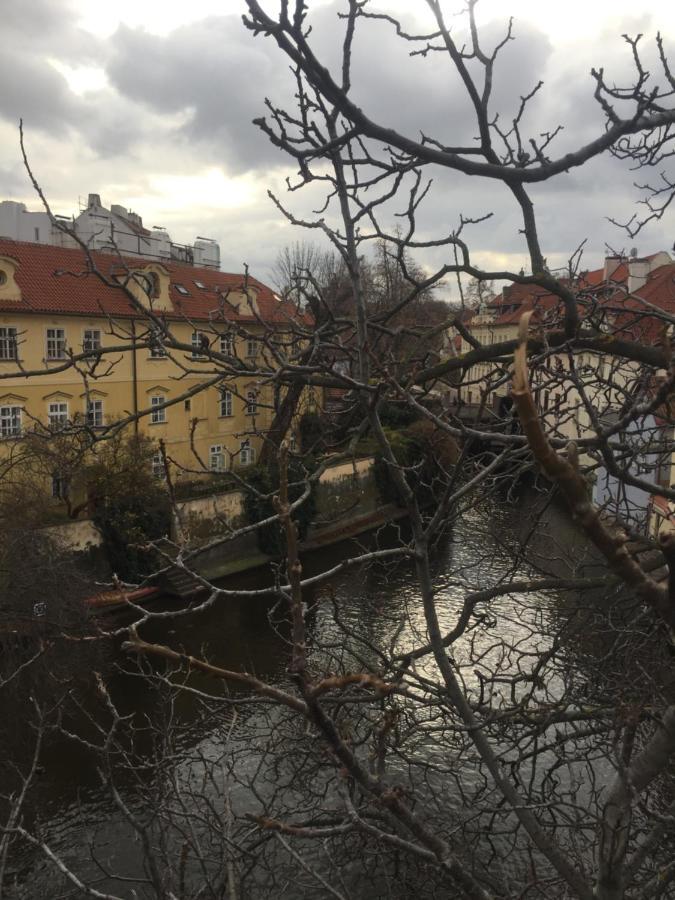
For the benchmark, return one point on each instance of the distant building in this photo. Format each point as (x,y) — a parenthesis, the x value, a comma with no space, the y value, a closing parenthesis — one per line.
(629,298)
(114,230)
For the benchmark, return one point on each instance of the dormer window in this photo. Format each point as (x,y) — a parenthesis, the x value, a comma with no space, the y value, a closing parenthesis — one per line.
(200,285)
(9,289)
(182,290)
(150,283)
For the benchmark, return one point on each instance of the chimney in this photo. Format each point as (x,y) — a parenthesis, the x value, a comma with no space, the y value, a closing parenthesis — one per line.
(612,263)
(94,201)
(638,270)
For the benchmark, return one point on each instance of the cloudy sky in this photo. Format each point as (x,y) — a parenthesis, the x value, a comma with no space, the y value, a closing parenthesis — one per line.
(149,103)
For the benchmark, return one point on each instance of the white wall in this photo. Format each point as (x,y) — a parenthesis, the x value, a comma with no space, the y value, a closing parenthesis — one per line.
(20,225)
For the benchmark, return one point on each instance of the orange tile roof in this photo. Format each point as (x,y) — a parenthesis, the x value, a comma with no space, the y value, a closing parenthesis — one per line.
(632,317)
(57,280)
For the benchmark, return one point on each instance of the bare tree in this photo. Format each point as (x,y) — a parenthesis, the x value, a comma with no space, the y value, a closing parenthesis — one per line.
(512,733)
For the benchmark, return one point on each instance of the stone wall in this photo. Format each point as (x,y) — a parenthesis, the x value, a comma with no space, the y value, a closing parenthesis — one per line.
(341,489)
(228,507)
(75,536)
(344,489)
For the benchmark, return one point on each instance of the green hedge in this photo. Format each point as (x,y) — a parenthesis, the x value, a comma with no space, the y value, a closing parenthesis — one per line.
(266,482)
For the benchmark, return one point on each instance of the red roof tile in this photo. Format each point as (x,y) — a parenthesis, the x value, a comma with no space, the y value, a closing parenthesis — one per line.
(57,280)
(631,316)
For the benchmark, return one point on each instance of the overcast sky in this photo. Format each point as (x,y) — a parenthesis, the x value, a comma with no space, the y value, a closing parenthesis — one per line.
(149,103)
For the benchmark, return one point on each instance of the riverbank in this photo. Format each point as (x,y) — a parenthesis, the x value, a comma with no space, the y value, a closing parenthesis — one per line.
(214,569)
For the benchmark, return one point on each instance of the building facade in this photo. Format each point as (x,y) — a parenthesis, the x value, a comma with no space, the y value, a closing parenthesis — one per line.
(576,393)
(179,353)
(115,230)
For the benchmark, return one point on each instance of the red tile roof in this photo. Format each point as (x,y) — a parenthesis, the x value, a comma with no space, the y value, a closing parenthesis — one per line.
(631,316)
(58,280)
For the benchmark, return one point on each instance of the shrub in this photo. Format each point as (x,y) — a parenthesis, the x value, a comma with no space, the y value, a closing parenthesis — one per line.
(404,451)
(421,446)
(311,430)
(130,505)
(258,504)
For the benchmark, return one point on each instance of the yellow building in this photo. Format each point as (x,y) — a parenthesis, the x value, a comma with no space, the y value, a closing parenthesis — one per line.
(582,391)
(617,299)
(186,355)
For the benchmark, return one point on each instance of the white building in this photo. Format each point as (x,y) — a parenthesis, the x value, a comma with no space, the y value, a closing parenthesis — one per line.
(18,223)
(115,230)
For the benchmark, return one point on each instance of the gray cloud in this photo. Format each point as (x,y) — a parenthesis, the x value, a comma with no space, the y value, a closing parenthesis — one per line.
(35,91)
(33,31)
(214,72)
(38,23)
(184,101)
(219,75)
(11,181)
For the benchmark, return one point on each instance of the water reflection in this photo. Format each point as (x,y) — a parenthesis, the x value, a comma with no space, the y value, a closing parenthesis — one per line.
(378,606)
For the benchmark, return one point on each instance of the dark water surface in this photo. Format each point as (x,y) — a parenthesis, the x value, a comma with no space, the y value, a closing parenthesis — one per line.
(71,807)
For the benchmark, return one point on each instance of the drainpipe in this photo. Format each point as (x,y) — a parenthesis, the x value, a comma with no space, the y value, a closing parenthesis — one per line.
(134,377)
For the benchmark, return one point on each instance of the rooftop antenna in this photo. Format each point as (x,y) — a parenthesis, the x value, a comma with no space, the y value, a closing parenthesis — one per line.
(633,252)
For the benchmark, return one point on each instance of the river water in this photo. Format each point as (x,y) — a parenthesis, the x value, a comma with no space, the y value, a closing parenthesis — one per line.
(379,607)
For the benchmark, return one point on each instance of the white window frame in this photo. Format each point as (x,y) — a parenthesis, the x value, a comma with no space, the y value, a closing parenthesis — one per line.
(227,343)
(94,413)
(9,349)
(251,403)
(197,349)
(56,343)
(91,343)
(246,453)
(158,414)
(157,464)
(216,458)
(157,350)
(252,348)
(57,414)
(225,404)
(10,421)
